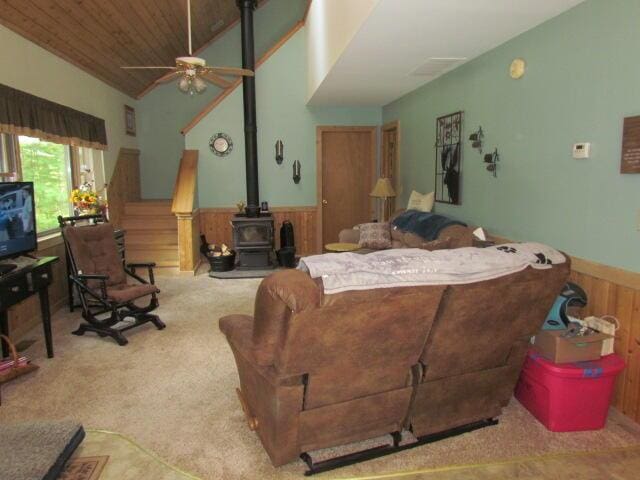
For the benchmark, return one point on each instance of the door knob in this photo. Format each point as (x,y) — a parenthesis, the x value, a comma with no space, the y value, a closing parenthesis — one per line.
(324,202)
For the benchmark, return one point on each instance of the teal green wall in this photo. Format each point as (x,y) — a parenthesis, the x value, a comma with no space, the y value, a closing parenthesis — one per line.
(582,79)
(163,112)
(282,114)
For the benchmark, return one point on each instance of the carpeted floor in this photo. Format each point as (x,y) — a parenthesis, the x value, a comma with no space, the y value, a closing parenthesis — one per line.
(172,391)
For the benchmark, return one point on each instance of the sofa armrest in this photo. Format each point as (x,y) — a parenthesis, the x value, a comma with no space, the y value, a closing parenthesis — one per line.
(238,329)
(349,235)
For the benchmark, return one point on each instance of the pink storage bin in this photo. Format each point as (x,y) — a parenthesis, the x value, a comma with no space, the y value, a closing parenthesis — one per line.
(568,397)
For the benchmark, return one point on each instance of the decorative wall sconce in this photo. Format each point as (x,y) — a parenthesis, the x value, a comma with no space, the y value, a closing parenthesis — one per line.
(492,159)
(476,139)
(279,152)
(296,171)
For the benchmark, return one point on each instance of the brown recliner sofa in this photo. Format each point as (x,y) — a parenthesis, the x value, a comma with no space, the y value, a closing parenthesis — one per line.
(324,370)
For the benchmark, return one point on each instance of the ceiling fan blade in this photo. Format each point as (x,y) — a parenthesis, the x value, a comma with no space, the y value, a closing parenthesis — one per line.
(215,79)
(144,68)
(242,72)
(168,77)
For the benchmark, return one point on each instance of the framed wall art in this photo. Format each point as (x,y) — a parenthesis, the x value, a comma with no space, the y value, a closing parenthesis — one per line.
(448,158)
(129,120)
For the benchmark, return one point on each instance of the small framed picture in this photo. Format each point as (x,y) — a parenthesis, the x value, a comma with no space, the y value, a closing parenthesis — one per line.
(130,120)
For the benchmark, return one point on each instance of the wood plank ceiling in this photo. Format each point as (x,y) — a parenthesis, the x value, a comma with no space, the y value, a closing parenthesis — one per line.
(100,36)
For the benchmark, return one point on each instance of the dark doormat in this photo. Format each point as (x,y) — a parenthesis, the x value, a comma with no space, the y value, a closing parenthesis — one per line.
(84,468)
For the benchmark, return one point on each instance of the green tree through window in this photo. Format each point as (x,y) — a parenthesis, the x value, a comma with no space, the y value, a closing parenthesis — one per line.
(46,164)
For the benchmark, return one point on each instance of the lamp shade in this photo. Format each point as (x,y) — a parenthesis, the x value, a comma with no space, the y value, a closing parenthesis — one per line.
(383,189)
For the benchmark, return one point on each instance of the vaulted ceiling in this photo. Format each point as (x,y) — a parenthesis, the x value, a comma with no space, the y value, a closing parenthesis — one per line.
(100,36)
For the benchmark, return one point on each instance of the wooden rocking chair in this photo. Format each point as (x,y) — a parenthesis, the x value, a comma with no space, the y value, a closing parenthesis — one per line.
(101,279)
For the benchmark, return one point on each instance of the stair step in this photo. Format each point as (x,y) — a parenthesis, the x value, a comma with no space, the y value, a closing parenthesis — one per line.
(145,222)
(155,207)
(160,257)
(155,237)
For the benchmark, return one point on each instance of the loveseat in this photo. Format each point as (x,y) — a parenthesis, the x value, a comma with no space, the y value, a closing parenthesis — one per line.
(321,370)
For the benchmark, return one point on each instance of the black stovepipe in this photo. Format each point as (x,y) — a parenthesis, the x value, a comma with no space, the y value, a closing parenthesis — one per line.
(249,98)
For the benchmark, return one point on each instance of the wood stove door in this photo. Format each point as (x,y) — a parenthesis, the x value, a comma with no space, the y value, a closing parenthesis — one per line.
(347,156)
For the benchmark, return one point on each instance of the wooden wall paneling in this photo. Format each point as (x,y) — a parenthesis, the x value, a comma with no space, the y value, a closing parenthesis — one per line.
(124,185)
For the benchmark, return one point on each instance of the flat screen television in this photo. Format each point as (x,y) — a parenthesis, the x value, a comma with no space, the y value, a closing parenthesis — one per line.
(17,219)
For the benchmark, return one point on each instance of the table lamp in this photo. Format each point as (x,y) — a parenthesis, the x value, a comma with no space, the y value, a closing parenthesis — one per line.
(383,189)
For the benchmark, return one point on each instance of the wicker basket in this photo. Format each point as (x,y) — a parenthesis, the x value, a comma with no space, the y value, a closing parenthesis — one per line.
(15,371)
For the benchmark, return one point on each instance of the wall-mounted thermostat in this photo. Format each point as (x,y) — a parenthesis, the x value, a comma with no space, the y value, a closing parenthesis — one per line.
(581,150)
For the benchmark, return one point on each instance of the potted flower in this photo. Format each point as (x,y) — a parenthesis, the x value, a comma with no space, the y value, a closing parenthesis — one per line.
(85,200)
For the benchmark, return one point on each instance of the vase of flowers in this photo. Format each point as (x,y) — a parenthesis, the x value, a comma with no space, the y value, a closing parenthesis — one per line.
(85,200)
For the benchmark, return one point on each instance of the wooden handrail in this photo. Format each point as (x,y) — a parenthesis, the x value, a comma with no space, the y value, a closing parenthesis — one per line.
(185,188)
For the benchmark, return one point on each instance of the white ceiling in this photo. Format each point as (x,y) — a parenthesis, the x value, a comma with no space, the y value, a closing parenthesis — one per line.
(400,36)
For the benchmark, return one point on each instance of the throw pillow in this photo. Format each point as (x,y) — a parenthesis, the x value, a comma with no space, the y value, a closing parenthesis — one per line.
(375,235)
(420,202)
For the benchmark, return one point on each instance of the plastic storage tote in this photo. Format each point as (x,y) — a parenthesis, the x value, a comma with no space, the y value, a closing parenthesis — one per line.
(568,397)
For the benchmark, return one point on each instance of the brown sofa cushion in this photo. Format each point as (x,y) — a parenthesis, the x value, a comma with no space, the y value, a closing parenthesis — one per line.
(126,293)
(95,252)
(375,235)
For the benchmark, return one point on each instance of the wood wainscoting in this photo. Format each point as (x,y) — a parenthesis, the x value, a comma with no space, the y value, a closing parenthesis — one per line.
(613,291)
(215,224)
(124,185)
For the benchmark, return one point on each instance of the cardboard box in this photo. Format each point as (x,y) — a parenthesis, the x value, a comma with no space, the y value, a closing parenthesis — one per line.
(551,345)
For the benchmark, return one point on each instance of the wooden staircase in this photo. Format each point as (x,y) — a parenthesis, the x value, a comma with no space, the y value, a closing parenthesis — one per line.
(151,232)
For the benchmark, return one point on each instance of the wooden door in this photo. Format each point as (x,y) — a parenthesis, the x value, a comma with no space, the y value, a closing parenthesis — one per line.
(390,161)
(346,175)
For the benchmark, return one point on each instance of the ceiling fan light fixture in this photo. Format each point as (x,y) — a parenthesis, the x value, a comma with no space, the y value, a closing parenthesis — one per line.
(199,85)
(191,85)
(184,84)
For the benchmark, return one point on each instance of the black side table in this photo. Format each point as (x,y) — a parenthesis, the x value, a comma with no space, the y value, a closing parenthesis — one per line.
(20,284)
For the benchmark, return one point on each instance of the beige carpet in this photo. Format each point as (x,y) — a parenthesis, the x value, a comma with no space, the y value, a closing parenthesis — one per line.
(172,391)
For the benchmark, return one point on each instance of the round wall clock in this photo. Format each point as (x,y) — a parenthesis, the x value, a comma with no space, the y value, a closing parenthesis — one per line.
(221,144)
(517,68)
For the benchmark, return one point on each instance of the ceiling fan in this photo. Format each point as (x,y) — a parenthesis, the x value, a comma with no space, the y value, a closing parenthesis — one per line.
(193,71)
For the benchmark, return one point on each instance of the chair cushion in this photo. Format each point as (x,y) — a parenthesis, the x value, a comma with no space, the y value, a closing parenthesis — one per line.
(125,293)
(375,235)
(94,251)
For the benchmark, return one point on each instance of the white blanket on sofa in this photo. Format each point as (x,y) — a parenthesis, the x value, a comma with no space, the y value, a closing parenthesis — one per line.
(404,267)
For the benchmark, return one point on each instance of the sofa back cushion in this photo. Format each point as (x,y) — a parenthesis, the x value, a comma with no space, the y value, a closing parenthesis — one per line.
(351,349)
(478,324)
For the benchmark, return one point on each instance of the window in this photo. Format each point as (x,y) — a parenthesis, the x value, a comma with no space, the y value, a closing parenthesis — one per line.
(55,169)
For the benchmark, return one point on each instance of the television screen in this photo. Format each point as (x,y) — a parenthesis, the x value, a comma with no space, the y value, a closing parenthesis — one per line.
(17,219)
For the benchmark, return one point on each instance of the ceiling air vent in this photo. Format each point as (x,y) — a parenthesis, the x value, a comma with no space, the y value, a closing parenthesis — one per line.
(437,66)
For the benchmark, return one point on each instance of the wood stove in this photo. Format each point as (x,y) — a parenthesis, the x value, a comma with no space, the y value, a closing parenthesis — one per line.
(253,241)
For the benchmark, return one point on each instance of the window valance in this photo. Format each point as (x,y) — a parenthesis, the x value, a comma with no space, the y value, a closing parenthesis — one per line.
(25,114)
